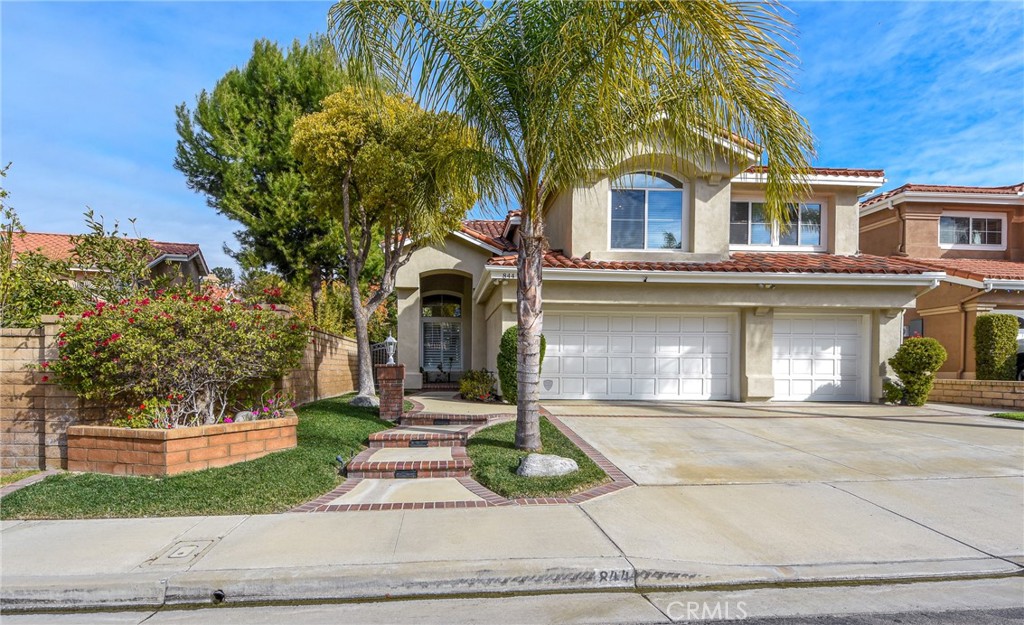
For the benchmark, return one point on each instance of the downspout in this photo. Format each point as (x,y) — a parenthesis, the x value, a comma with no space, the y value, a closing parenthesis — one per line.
(963,329)
(902,250)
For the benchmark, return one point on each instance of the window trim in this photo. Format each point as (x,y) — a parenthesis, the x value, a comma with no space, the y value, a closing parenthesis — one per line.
(972,246)
(774,246)
(685,213)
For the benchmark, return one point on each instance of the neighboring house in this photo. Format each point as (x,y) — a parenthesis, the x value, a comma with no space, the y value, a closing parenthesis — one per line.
(670,284)
(172,258)
(975,235)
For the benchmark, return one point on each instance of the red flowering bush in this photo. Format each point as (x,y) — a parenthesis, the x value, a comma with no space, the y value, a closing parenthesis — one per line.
(195,355)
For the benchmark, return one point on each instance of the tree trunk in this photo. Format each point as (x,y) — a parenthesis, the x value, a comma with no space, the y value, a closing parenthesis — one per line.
(531,321)
(364,357)
(315,291)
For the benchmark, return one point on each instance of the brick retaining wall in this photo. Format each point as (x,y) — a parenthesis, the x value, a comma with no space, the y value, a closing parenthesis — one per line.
(979,393)
(122,451)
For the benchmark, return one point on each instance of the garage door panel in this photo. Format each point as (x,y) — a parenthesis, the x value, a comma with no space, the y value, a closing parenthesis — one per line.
(572,364)
(597,324)
(818,358)
(573,323)
(717,344)
(621,344)
(668,324)
(621,356)
(596,344)
(572,344)
(622,324)
(621,366)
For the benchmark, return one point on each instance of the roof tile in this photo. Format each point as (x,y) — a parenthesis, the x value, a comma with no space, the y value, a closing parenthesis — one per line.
(974,268)
(741,262)
(60,247)
(1015,189)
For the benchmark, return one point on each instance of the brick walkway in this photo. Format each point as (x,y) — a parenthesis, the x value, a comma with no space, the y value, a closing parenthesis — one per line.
(372,478)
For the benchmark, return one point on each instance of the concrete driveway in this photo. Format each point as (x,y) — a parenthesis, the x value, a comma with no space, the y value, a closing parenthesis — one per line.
(816,487)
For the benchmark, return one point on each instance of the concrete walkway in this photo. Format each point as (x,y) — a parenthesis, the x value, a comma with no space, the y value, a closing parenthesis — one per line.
(668,535)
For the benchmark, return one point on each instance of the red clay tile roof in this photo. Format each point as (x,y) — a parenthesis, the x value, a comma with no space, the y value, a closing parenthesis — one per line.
(59,246)
(741,262)
(974,268)
(1015,189)
(827,171)
(488,231)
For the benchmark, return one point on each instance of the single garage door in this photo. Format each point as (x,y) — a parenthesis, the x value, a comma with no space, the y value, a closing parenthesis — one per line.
(637,356)
(818,358)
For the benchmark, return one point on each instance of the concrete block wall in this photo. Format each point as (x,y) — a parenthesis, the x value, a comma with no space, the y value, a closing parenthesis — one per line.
(35,415)
(328,368)
(979,393)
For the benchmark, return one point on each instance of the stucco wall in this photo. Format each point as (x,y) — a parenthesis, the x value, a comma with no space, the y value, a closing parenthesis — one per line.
(880,231)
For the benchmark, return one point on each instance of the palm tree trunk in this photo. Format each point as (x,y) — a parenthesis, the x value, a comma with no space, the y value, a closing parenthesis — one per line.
(531,320)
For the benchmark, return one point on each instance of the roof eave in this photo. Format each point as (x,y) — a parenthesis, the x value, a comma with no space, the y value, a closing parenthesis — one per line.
(725,277)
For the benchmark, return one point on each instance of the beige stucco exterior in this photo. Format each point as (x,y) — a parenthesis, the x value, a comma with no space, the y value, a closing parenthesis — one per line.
(577,223)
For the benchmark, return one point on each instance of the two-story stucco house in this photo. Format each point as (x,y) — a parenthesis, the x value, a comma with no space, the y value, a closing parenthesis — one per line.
(975,235)
(668,284)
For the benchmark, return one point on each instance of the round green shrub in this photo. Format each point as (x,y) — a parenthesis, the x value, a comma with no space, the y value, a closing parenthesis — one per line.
(995,346)
(915,363)
(477,385)
(508,366)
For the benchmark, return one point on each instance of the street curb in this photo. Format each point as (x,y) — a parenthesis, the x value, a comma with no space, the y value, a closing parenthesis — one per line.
(451,579)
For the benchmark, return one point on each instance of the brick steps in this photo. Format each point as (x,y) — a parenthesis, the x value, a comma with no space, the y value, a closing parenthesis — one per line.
(417,437)
(396,463)
(430,418)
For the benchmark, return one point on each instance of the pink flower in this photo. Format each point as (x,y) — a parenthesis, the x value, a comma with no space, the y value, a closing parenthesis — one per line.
(46,378)
(228,420)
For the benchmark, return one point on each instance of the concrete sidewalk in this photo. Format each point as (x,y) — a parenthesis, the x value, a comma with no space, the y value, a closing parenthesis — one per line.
(791,533)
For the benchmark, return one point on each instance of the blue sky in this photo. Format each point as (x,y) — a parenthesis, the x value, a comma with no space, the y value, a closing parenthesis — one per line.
(931,92)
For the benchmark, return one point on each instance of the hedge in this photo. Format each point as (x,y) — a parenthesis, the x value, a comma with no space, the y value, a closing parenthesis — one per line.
(995,346)
(508,366)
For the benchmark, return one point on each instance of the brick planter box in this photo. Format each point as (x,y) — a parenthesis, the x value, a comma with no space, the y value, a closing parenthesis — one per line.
(123,451)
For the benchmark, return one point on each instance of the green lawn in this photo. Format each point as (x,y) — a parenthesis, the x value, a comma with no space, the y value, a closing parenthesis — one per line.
(273,483)
(495,460)
(1016,416)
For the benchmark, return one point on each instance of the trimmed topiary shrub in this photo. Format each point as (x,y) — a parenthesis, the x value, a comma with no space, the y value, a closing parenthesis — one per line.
(508,367)
(915,363)
(995,347)
(477,385)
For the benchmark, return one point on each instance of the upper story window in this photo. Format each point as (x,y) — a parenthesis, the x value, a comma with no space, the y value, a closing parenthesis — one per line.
(749,226)
(647,213)
(977,231)
(442,306)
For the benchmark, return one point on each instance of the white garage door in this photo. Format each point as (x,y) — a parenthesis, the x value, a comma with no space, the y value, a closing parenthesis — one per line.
(612,356)
(818,358)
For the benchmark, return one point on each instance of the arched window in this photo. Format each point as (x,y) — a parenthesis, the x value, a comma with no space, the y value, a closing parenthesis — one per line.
(648,212)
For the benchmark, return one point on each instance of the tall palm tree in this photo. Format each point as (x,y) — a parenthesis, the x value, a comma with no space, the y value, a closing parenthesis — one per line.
(560,90)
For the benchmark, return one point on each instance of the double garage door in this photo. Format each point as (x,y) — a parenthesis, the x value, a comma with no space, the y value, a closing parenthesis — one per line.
(695,356)
(599,356)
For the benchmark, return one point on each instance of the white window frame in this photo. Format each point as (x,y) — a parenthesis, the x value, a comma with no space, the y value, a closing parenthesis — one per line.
(774,246)
(972,246)
(684,235)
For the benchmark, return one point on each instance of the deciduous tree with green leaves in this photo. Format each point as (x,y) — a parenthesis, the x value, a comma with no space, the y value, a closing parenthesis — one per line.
(557,91)
(395,178)
(234,148)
